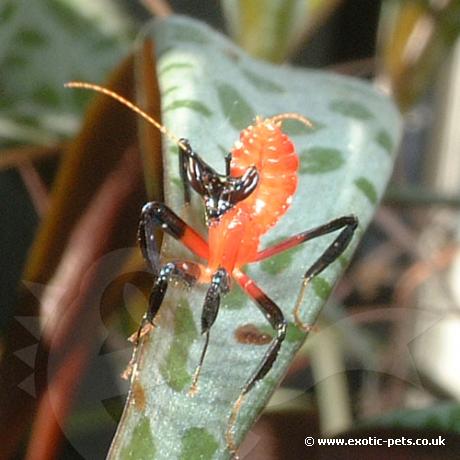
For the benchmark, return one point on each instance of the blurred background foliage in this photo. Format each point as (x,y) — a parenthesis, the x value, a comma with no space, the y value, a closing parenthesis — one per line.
(393,320)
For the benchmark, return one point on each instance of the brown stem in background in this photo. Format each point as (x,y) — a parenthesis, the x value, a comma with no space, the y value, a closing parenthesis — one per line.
(356,68)
(38,191)
(392,224)
(71,319)
(13,157)
(160,8)
(88,163)
(412,278)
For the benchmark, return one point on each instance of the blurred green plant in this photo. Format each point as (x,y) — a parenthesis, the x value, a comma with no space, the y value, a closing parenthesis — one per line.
(273,29)
(415,39)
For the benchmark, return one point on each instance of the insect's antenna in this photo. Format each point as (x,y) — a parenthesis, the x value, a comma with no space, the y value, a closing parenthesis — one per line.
(130,105)
(292,116)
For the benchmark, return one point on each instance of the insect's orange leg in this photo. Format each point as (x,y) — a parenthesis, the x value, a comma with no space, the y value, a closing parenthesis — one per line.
(347,225)
(275,317)
(156,215)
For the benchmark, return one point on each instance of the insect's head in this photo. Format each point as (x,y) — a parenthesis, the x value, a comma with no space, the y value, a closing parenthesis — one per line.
(220,192)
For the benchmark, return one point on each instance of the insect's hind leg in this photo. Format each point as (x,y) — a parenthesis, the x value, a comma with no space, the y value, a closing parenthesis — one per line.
(220,284)
(275,317)
(332,252)
(346,224)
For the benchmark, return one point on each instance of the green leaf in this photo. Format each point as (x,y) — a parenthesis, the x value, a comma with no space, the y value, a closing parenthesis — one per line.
(141,440)
(349,153)
(351,108)
(174,368)
(368,189)
(321,287)
(440,417)
(410,66)
(238,111)
(43,44)
(197,443)
(272,29)
(320,160)
(197,106)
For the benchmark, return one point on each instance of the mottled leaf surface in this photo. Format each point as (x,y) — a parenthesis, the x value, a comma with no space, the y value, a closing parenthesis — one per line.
(347,165)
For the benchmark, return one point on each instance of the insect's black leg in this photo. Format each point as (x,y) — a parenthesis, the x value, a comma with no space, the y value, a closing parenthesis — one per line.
(195,172)
(332,252)
(157,215)
(275,317)
(188,272)
(220,284)
(184,154)
(228,161)
(347,225)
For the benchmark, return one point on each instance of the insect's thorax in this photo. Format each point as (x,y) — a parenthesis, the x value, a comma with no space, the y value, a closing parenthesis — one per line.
(234,239)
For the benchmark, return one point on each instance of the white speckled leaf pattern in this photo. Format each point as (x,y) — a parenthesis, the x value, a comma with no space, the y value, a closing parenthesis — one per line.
(211,90)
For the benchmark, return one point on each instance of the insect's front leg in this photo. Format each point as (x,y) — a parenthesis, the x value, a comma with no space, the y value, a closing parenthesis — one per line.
(228,163)
(187,272)
(194,171)
(156,215)
(184,155)
(220,284)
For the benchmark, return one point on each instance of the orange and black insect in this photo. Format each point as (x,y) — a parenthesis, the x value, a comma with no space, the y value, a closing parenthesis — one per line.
(241,205)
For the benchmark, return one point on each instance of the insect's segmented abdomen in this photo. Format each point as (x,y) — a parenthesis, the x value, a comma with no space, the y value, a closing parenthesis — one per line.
(266,147)
(235,240)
